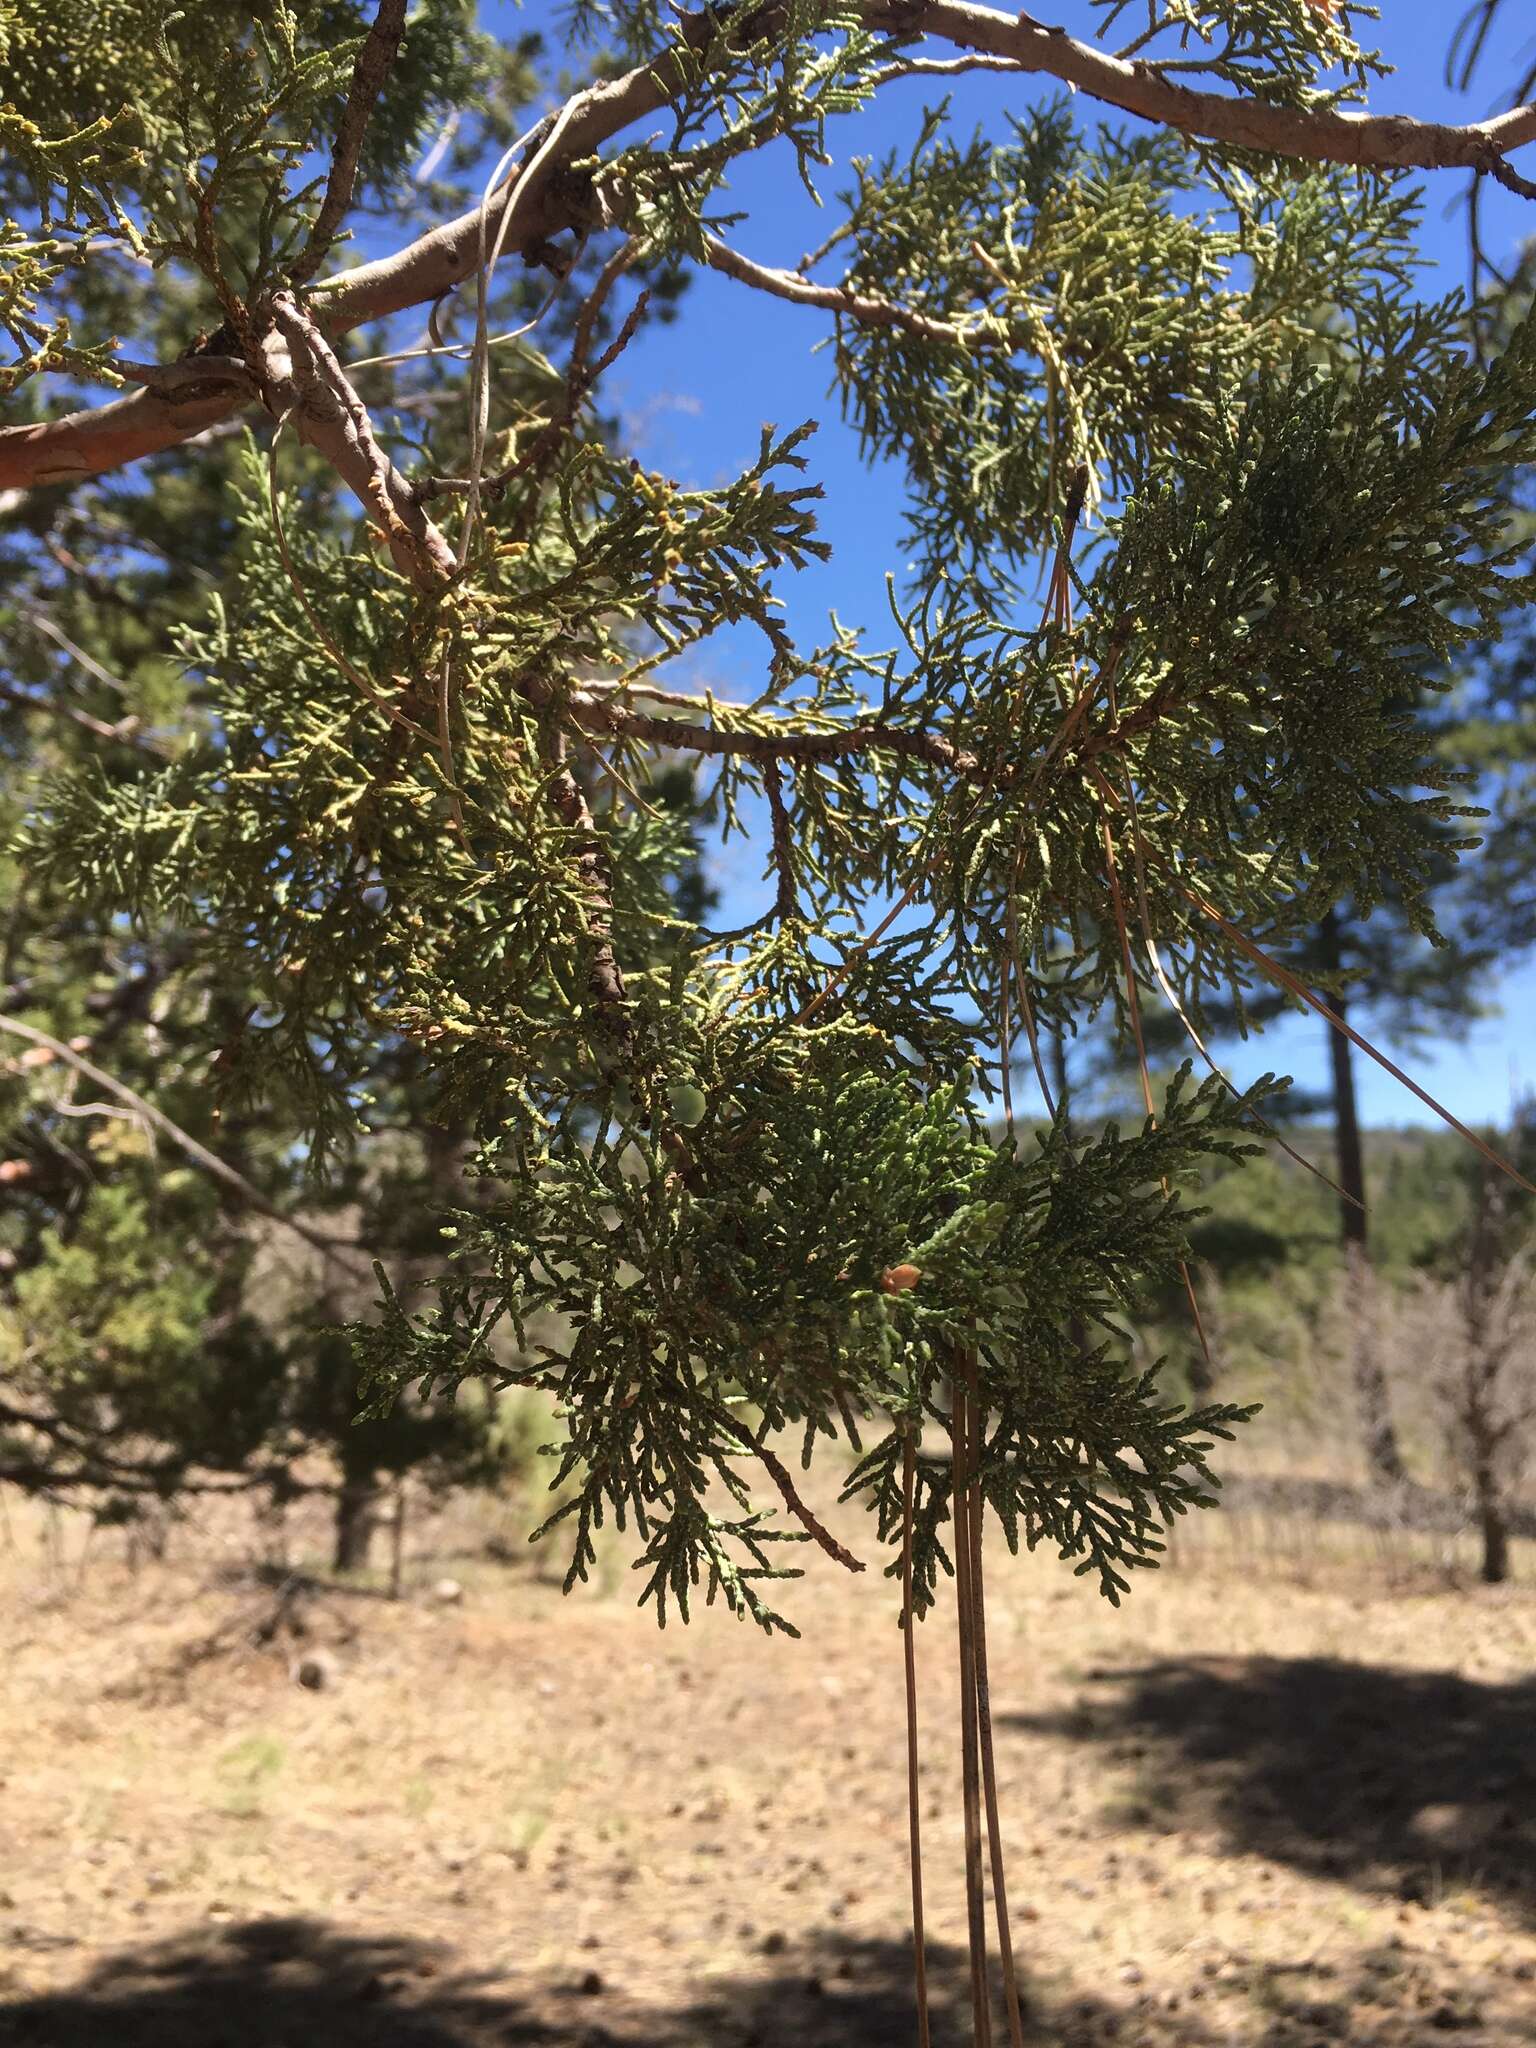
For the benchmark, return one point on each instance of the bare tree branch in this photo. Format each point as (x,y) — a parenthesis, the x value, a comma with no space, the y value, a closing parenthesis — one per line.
(603,715)
(41,623)
(1314,134)
(783,842)
(108,437)
(101,1471)
(941,67)
(605,979)
(370,75)
(836,298)
(189,376)
(305,383)
(125,733)
(802,1513)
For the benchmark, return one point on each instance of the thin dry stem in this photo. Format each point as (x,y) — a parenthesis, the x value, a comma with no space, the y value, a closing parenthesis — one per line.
(965,1616)
(802,1514)
(370,75)
(156,1119)
(1011,2005)
(914,1817)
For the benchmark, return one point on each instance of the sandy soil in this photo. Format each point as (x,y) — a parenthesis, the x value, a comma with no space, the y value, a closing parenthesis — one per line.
(1285,1798)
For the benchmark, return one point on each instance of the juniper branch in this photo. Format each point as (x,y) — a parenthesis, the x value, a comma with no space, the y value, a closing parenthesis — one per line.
(304,382)
(846,742)
(539,208)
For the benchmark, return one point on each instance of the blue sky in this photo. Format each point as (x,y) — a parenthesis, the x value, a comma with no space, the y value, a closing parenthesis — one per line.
(695,395)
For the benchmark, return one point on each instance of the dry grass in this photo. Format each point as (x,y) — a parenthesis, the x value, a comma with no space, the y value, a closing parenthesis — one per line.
(1286,1798)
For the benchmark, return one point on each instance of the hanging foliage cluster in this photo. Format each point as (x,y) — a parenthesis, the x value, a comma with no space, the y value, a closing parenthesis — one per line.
(744,1188)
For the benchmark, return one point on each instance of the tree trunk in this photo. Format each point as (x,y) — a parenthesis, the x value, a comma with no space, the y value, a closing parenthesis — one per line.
(1490,1521)
(397,1541)
(357,1509)
(1381,1446)
(1483,1359)
(272,1529)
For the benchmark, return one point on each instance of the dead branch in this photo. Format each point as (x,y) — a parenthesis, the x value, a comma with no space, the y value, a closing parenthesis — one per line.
(802,1513)
(605,979)
(837,298)
(783,842)
(601,714)
(125,733)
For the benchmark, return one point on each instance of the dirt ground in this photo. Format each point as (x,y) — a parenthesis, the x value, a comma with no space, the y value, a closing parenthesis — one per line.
(1285,1798)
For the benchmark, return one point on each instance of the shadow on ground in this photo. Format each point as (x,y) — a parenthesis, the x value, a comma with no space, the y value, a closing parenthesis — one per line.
(296,1983)
(292,1983)
(1395,1780)
(303,1983)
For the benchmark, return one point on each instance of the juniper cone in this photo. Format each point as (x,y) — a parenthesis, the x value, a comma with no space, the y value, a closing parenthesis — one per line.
(418,816)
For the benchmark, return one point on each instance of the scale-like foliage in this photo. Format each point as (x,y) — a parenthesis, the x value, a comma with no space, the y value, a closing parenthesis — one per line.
(736,1188)
(190,133)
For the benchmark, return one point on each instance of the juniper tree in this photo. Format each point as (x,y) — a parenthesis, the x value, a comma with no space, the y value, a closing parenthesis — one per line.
(1175,368)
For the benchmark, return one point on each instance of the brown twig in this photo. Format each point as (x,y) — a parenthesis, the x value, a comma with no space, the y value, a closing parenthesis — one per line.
(846,740)
(802,1514)
(1505,173)
(124,733)
(370,75)
(783,842)
(1027,1007)
(344,665)
(843,299)
(605,979)
(1057,611)
(909,1666)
